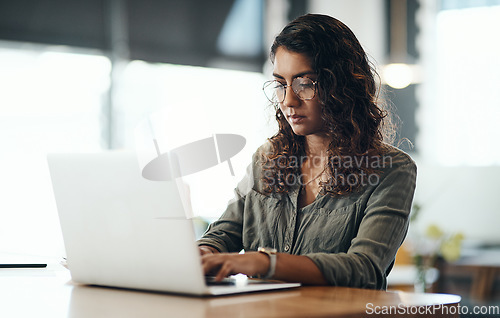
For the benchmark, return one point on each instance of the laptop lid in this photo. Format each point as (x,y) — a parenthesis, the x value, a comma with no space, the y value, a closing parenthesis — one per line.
(122,230)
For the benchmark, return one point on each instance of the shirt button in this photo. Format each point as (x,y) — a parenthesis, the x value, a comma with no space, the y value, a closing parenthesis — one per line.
(287,247)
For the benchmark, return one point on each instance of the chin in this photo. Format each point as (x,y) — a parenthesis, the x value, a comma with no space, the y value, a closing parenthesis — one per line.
(305,131)
(301,132)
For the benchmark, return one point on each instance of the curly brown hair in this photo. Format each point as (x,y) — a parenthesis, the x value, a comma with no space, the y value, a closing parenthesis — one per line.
(351,108)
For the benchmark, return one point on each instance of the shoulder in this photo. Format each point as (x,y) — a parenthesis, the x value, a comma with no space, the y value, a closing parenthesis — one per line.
(393,158)
(263,151)
(261,157)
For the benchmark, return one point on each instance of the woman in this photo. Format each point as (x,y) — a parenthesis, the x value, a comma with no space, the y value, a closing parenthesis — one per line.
(326,201)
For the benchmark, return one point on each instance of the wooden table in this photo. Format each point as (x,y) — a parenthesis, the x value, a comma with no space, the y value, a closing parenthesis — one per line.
(50,293)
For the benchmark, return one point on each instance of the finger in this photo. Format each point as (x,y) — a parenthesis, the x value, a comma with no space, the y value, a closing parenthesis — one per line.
(225,270)
(211,264)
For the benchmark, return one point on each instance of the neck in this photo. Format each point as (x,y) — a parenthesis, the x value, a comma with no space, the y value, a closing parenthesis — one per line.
(316,146)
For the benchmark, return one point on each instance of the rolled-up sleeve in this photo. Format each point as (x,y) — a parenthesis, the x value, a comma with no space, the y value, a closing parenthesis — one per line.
(381,232)
(225,234)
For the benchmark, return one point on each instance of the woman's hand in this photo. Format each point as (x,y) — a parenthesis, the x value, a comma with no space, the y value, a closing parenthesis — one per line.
(289,268)
(224,264)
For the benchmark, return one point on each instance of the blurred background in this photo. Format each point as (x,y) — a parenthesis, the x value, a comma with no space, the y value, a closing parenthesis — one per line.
(80,75)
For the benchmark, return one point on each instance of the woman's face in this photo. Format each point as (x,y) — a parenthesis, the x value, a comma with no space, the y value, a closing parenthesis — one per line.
(304,116)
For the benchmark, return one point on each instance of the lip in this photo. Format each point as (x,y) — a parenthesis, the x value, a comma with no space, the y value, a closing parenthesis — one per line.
(296,119)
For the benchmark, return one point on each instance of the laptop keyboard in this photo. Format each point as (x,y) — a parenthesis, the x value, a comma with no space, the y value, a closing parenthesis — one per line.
(227,281)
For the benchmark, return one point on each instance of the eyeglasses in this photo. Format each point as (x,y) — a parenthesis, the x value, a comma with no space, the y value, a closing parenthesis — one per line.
(303,87)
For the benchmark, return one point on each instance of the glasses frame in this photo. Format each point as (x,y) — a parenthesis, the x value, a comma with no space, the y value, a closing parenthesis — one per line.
(285,86)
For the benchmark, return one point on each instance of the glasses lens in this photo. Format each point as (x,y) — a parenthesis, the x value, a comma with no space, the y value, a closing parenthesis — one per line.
(274,91)
(304,88)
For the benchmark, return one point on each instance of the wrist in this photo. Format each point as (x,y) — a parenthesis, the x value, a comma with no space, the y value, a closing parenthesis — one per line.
(271,254)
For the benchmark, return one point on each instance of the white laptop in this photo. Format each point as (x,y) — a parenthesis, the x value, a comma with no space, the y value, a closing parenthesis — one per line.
(121,230)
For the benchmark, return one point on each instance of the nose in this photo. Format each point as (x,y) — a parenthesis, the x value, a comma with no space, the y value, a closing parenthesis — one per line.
(291,99)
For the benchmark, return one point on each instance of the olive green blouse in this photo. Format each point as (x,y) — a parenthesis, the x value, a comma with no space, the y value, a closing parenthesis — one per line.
(353,239)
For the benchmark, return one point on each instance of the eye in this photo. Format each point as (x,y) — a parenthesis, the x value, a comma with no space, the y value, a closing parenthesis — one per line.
(301,84)
(279,85)
(306,85)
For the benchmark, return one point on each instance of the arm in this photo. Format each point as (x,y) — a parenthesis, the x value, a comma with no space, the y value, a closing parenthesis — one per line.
(225,234)
(290,268)
(381,232)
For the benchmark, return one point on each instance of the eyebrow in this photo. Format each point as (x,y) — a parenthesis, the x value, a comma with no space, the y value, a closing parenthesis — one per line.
(296,75)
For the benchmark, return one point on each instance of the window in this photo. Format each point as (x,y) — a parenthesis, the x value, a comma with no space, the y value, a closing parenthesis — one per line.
(459,117)
(458,113)
(51,102)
